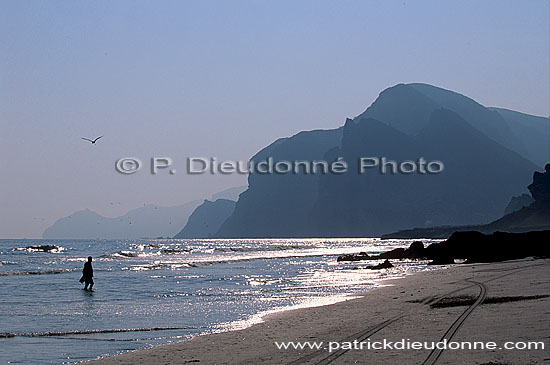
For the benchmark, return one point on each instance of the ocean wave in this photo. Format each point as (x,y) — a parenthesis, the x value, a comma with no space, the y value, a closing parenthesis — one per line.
(175,251)
(2,263)
(157,265)
(143,246)
(131,254)
(264,248)
(35,272)
(41,248)
(123,254)
(128,253)
(181,250)
(145,267)
(174,266)
(90,332)
(256,258)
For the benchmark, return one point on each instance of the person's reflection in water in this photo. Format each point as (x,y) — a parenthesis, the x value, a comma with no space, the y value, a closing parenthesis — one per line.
(88,274)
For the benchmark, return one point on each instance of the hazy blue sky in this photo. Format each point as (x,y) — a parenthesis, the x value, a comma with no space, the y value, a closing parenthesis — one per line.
(224,79)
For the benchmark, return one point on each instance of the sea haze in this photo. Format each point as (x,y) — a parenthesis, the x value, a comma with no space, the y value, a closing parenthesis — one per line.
(196,286)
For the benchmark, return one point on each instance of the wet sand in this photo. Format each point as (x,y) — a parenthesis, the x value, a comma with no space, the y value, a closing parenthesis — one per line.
(497,302)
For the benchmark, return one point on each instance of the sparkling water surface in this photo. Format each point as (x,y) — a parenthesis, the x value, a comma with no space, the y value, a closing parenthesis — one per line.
(168,289)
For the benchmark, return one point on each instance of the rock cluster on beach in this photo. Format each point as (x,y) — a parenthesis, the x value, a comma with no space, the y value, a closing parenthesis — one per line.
(415,251)
(470,247)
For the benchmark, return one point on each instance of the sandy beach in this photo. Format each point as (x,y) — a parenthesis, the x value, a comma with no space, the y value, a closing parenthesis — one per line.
(490,303)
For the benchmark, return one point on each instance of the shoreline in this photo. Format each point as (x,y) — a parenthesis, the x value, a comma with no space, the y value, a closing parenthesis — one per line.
(404,308)
(261,317)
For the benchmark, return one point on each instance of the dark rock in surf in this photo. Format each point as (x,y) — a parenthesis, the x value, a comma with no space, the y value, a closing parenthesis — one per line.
(354,257)
(42,248)
(385,265)
(415,251)
(499,246)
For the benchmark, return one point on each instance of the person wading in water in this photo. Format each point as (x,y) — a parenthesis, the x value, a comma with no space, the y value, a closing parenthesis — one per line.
(87,274)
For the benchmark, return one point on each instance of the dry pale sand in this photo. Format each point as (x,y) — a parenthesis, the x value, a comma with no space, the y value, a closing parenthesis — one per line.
(398,311)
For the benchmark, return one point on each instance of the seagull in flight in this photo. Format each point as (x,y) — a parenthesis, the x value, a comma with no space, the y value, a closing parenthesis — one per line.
(93,141)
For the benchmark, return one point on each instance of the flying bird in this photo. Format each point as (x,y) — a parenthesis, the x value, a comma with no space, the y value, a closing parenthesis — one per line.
(93,141)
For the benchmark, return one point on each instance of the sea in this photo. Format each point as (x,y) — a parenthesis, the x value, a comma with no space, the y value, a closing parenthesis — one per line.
(149,292)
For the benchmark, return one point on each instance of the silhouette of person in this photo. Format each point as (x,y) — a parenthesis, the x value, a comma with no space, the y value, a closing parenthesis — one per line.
(87,274)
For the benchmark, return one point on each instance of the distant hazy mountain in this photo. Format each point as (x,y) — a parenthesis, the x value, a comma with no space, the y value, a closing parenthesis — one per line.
(149,221)
(533,131)
(533,217)
(487,161)
(373,204)
(518,202)
(280,205)
(229,194)
(207,219)
(407,108)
